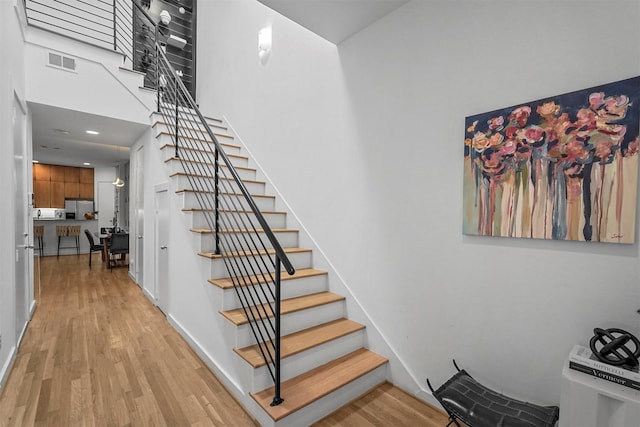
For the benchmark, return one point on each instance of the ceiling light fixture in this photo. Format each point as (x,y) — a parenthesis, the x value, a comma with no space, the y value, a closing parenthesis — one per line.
(93,132)
(87,164)
(118,182)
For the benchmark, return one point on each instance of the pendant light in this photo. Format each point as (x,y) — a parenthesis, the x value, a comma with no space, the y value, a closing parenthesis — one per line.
(118,182)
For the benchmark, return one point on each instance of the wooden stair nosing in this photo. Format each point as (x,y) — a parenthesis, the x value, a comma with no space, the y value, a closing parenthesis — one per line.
(239,230)
(290,305)
(172,146)
(227,283)
(305,389)
(300,341)
(261,252)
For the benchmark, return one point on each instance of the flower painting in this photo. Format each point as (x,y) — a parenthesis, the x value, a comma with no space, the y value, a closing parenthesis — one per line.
(561,168)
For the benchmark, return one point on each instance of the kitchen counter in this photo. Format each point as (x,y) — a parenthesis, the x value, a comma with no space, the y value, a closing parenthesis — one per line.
(51,239)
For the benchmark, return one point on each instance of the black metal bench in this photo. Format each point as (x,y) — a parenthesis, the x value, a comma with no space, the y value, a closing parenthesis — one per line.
(467,400)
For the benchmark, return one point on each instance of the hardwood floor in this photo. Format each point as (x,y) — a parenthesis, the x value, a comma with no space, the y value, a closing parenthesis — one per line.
(98,353)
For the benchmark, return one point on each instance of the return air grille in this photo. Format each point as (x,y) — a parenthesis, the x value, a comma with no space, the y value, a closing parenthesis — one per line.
(60,61)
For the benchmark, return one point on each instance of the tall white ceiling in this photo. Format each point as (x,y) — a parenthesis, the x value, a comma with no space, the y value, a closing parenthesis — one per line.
(334,20)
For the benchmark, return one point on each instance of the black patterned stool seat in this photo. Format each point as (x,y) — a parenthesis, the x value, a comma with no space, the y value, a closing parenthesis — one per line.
(478,406)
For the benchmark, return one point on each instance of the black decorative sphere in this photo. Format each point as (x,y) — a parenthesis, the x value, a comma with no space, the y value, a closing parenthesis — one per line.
(615,347)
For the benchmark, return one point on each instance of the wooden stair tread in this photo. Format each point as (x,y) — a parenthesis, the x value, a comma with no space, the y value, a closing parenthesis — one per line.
(190,190)
(253,181)
(212,255)
(291,305)
(300,341)
(305,389)
(227,283)
(222,165)
(230,211)
(162,122)
(172,146)
(209,141)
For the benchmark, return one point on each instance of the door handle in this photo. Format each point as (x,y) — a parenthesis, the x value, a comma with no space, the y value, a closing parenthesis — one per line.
(140,237)
(163,247)
(29,247)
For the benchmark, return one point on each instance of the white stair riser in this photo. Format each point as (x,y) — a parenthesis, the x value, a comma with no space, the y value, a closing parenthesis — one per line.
(228,220)
(307,360)
(169,151)
(295,321)
(175,165)
(208,184)
(190,200)
(286,239)
(289,289)
(218,269)
(329,403)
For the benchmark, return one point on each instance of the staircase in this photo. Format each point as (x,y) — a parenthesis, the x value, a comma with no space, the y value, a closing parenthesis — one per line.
(324,360)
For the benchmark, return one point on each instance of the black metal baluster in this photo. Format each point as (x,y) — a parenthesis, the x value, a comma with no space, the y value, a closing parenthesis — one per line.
(216,174)
(277,399)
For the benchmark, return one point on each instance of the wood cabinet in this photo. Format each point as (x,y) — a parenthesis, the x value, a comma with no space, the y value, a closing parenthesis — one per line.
(52,184)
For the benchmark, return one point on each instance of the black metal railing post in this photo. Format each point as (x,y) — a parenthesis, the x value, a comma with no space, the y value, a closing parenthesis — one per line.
(115,33)
(277,399)
(216,175)
(175,100)
(157,66)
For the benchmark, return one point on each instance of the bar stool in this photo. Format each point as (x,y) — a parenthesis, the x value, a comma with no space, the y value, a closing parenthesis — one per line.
(38,235)
(73,231)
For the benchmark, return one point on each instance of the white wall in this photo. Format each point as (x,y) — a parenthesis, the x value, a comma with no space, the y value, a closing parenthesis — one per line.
(11,84)
(365,141)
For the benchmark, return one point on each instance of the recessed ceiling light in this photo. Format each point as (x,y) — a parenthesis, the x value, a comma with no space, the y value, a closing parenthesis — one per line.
(34,161)
(93,132)
(86,163)
(62,131)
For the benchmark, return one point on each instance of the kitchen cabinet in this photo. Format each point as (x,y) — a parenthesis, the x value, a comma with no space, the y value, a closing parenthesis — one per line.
(42,194)
(57,194)
(52,184)
(71,190)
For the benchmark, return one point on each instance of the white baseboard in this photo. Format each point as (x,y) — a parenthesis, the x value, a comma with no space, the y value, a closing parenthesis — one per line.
(7,366)
(231,386)
(150,297)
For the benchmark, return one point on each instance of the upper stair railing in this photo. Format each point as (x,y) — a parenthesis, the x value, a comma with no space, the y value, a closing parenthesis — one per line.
(243,239)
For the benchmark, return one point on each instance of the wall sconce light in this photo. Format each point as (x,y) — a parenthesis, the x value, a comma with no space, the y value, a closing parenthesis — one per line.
(264,44)
(165,17)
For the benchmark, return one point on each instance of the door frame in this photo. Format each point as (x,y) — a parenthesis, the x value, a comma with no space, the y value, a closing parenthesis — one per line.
(160,272)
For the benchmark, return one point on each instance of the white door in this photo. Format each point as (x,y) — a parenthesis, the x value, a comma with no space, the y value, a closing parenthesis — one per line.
(22,234)
(139,218)
(162,225)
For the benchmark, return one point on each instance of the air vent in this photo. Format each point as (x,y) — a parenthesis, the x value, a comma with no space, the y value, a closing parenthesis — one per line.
(60,61)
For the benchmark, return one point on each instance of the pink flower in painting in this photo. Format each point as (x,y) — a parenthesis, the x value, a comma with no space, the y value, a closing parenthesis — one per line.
(508,148)
(496,123)
(616,107)
(586,119)
(575,150)
(533,134)
(595,100)
(520,115)
(495,139)
(548,109)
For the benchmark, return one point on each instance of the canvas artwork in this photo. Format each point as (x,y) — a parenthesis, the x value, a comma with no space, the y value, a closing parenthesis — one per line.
(561,168)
